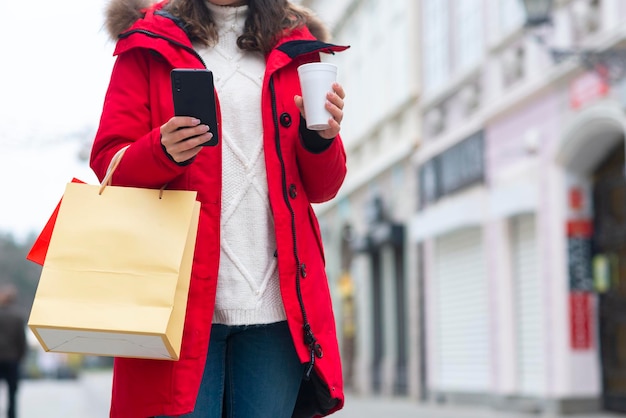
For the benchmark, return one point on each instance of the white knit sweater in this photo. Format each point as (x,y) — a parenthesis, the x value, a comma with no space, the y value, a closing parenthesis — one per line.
(247,289)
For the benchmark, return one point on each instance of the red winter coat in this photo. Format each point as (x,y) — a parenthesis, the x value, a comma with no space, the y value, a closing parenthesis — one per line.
(301,168)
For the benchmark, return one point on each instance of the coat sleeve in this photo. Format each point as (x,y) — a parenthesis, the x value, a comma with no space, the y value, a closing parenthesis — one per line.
(130,117)
(322,167)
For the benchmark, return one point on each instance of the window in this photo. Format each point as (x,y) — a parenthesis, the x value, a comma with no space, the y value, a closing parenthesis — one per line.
(436,43)
(511,15)
(453,39)
(399,56)
(468,34)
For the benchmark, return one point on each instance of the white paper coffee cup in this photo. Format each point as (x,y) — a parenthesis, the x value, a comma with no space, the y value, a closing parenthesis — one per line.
(316,80)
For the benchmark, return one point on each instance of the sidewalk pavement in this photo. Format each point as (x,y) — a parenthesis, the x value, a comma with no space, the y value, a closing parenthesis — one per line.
(90,395)
(376,407)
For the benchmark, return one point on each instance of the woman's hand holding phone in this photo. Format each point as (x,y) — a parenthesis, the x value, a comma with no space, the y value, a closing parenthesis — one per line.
(183,136)
(193,94)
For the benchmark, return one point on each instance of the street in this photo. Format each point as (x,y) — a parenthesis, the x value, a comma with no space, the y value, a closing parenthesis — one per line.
(88,397)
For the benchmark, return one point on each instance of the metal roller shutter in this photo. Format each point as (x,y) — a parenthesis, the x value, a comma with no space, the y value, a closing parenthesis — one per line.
(528,309)
(461,293)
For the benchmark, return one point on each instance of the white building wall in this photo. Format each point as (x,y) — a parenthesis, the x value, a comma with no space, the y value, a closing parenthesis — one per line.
(364,359)
(504,350)
(381,128)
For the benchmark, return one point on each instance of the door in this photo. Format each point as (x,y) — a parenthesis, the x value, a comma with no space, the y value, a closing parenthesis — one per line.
(610,241)
(378,323)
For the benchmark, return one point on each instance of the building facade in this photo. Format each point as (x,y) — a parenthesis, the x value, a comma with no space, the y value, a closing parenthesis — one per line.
(476,248)
(369,257)
(520,220)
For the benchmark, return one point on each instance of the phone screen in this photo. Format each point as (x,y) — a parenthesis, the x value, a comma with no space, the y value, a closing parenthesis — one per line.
(193,93)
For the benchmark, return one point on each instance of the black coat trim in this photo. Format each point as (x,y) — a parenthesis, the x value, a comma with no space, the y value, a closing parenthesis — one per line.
(314,398)
(311,140)
(297,48)
(168,15)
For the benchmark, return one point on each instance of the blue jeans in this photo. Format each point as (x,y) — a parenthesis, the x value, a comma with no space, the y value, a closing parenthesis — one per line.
(251,371)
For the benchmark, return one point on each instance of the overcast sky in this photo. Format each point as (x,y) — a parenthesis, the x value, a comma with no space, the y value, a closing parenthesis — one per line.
(56,62)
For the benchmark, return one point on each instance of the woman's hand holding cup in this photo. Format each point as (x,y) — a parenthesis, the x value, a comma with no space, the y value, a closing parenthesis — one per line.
(321,103)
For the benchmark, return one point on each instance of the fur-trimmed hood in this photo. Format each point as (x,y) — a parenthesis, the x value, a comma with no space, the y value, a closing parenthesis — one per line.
(121,14)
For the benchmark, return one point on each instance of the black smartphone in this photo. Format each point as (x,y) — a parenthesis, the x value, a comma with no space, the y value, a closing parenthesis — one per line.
(193,93)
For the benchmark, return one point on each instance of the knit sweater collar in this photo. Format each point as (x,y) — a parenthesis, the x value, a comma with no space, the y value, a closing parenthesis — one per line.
(228,18)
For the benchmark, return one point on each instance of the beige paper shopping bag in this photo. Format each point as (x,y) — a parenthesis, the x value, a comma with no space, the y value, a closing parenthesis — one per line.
(117,271)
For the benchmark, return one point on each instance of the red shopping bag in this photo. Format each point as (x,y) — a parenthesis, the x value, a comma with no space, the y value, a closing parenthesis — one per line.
(37,253)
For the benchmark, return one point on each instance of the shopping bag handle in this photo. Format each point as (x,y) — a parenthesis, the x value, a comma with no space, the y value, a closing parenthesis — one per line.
(115,161)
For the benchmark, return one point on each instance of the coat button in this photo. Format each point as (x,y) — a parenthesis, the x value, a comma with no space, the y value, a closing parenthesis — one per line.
(285,120)
(293,192)
(303,270)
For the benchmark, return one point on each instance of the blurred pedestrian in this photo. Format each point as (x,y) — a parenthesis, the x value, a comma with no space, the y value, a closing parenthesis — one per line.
(260,338)
(12,344)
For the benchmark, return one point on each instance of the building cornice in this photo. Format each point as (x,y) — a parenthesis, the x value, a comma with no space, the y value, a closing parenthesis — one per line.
(517,97)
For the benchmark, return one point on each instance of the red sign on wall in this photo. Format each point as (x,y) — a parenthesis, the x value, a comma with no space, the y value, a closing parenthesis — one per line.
(576,198)
(587,88)
(579,228)
(580,305)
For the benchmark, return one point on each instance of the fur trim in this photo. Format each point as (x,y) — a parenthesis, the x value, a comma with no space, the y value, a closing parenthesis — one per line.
(121,14)
(314,23)
(318,29)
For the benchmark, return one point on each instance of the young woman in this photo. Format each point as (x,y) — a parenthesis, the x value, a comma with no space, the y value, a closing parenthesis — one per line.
(259,338)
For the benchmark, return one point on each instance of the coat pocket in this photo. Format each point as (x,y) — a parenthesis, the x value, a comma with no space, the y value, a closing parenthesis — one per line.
(316,231)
